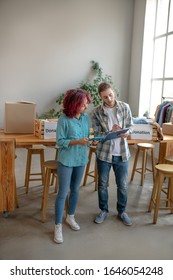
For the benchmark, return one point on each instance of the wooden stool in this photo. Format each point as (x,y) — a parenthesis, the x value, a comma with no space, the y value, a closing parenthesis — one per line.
(163,170)
(51,168)
(145,148)
(93,173)
(34,150)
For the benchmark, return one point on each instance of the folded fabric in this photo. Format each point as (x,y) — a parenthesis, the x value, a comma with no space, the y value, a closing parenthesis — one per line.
(159,130)
(139,121)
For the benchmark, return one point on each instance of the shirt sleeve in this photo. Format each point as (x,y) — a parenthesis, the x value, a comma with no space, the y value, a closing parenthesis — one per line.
(61,134)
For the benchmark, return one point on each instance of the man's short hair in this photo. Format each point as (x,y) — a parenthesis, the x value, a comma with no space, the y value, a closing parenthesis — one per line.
(103,86)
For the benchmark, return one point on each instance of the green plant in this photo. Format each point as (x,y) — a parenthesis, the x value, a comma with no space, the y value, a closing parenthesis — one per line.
(146,113)
(91,85)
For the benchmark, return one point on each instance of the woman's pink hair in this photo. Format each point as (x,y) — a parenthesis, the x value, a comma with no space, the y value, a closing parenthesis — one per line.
(73,101)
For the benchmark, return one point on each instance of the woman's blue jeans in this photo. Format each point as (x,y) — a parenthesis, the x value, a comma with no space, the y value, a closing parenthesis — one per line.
(69,179)
(120,169)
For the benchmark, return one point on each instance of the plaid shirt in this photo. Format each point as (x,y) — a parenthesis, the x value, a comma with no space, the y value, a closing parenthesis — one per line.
(100,126)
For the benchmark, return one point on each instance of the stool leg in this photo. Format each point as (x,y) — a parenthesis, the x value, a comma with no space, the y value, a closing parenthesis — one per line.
(87,168)
(42,166)
(28,169)
(170,190)
(168,202)
(53,175)
(153,163)
(144,162)
(153,195)
(135,163)
(56,183)
(54,180)
(45,194)
(160,183)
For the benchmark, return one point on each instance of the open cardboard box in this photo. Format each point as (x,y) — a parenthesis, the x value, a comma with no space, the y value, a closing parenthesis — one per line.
(45,129)
(142,131)
(19,117)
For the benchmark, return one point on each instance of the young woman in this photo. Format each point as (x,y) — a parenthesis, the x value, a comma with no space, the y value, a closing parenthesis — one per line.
(72,139)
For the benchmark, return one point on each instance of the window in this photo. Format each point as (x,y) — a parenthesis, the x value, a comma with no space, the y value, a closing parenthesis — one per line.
(157,62)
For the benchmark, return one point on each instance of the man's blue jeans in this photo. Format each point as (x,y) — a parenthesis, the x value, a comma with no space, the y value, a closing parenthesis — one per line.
(69,179)
(120,169)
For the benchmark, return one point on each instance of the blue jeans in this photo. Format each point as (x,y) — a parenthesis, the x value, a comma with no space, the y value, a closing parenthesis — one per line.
(120,169)
(69,179)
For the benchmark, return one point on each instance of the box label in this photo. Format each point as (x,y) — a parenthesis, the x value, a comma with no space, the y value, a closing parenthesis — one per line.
(142,131)
(50,129)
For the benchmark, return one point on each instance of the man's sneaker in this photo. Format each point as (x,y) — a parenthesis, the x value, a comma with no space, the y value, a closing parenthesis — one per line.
(70,220)
(58,237)
(125,219)
(101,217)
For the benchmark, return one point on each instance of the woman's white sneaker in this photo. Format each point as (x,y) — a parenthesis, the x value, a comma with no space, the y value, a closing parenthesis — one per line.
(58,237)
(70,220)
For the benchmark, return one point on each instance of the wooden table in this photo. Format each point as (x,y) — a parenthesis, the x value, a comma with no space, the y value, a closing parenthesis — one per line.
(25,140)
(165,148)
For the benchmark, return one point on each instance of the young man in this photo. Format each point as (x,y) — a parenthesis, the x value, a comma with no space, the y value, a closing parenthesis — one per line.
(112,115)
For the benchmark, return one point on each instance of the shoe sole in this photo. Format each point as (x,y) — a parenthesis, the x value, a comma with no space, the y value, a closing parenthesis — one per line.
(97,222)
(58,241)
(124,222)
(73,228)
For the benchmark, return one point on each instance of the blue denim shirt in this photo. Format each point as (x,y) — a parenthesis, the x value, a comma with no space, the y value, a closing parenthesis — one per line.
(72,129)
(100,126)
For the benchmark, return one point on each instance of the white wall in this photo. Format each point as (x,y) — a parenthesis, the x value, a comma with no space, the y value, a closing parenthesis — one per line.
(47,45)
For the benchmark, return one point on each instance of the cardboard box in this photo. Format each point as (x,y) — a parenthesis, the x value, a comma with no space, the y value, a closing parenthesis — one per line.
(39,128)
(45,129)
(19,117)
(142,131)
(167,128)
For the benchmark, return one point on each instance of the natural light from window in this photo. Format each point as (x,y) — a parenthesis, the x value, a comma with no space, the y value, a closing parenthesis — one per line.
(157,68)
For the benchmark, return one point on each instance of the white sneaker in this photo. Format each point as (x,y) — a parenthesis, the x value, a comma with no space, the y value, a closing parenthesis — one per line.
(58,237)
(71,221)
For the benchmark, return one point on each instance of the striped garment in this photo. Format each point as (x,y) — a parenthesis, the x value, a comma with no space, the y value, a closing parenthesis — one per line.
(100,126)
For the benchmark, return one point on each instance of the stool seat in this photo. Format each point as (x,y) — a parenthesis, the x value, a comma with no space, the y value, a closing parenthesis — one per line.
(169,159)
(163,171)
(38,176)
(92,173)
(50,169)
(145,148)
(165,168)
